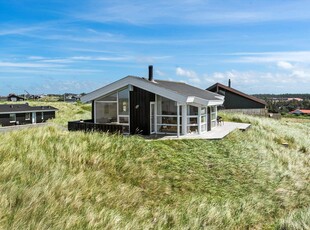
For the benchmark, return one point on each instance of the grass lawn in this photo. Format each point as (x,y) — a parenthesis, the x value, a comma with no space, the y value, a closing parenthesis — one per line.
(52,178)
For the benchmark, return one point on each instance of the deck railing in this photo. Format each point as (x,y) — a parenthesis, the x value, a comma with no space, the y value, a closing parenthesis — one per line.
(89,126)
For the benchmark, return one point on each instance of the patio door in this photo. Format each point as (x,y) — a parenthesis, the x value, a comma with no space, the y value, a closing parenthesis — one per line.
(152,118)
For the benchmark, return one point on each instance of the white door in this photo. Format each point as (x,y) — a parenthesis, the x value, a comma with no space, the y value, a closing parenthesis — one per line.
(152,118)
(34,118)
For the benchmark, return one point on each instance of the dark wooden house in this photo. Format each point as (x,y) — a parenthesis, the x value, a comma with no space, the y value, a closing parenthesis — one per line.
(21,114)
(14,97)
(136,105)
(238,101)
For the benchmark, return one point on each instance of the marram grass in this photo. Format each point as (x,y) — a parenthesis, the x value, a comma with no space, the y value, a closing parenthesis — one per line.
(54,179)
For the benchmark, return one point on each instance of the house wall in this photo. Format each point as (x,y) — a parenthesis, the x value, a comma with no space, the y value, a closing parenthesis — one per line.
(49,115)
(140,110)
(5,120)
(20,118)
(234,101)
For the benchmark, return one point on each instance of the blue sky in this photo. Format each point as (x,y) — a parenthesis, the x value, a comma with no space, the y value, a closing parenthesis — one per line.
(78,46)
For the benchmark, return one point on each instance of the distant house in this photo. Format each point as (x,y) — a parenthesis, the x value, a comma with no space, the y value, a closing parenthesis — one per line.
(136,105)
(294,99)
(14,97)
(70,97)
(238,101)
(20,114)
(301,112)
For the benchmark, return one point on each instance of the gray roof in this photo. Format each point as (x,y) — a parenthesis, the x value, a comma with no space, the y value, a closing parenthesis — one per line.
(184,89)
(176,91)
(16,108)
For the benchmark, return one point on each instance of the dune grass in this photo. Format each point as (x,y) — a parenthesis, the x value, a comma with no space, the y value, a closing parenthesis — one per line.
(55,179)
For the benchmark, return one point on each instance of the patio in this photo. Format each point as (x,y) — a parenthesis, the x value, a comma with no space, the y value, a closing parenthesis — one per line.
(216,133)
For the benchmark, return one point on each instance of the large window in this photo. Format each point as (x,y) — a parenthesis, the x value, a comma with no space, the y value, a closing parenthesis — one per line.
(192,119)
(167,115)
(114,108)
(196,116)
(12,117)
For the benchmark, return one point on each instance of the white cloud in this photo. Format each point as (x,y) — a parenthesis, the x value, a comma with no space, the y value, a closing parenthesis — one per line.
(89,58)
(193,77)
(27,65)
(272,57)
(285,65)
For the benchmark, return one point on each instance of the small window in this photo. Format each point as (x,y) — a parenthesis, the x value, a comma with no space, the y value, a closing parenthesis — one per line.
(12,117)
(27,116)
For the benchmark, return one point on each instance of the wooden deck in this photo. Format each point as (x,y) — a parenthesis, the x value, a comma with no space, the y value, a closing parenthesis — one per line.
(216,133)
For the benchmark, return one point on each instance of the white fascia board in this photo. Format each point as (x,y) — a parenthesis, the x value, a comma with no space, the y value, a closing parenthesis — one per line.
(220,97)
(143,84)
(218,102)
(196,100)
(202,102)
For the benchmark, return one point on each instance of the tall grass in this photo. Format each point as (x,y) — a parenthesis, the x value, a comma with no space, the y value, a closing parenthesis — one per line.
(52,178)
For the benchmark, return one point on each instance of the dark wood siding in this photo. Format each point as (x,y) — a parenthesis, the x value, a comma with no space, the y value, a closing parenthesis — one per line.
(46,116)
(39,117)
(20,119)
(5,120)
(93,110)
(140,111)
(234,101)
(208,119)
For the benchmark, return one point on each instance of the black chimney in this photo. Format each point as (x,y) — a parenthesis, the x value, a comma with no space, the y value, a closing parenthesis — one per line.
(151,73)
(229,83)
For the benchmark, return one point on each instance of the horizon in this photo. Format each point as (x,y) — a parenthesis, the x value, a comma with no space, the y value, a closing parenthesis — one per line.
(78,46)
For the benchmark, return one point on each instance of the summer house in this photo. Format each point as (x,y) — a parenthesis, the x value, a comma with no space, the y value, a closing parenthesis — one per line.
(135,105)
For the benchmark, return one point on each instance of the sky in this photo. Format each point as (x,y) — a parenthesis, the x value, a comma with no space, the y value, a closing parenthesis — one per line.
(56,46)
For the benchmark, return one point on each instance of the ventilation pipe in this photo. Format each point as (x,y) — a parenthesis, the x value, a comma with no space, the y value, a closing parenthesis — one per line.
(229,83)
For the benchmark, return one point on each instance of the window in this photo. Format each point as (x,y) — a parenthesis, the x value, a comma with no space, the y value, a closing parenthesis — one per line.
(167,115)
(123,105)
(213,116)
(12,117)
(106,112)
(27,116)
(192,119)
(114,108)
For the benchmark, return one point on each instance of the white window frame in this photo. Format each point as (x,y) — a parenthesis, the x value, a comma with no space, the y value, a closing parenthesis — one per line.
(117,107)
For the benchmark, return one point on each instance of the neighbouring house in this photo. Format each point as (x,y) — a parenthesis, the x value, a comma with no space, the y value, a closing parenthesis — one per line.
(237,101)
(136,105)
(21,114)
(14,97)
(301,112)
(295,99)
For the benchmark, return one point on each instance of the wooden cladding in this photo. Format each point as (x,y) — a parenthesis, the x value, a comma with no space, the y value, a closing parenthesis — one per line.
(140,111)
(89,126)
